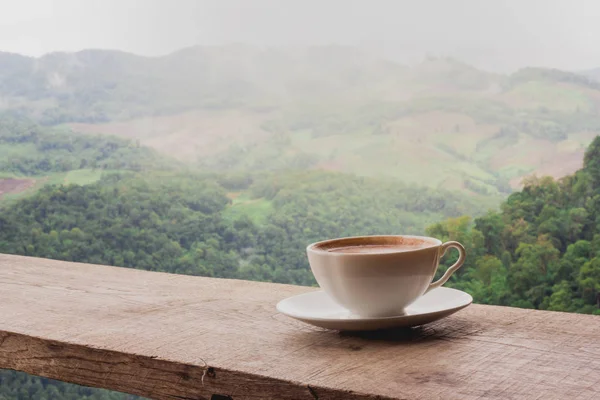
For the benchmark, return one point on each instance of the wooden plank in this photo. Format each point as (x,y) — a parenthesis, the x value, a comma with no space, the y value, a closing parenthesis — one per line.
(157,335)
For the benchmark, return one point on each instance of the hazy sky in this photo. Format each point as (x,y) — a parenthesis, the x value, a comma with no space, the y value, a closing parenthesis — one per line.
(493,34)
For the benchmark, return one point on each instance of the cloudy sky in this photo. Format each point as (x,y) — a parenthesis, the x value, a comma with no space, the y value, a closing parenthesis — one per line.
(494,34)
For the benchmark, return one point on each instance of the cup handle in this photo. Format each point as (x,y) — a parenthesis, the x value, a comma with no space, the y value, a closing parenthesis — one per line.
(462,254)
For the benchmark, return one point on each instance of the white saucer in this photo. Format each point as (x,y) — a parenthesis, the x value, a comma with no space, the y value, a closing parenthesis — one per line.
(317,308)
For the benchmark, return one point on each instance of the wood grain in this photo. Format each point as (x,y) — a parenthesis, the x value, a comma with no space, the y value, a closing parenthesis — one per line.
(157,335)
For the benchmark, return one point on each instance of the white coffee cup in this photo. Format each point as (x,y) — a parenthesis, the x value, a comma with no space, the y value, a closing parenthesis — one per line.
(379,276)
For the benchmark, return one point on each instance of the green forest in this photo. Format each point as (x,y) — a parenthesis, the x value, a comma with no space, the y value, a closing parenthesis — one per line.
(27,149)
(187,224)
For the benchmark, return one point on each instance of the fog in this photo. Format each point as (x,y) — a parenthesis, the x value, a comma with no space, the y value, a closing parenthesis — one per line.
(495,35)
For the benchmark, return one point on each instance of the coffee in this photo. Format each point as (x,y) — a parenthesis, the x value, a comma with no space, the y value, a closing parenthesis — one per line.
(379,276)
(376,248)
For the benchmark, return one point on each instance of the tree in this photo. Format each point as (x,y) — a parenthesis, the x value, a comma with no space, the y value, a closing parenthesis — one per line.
(491,227)
(591,162)
(486,267)
(561,298)
(577,254)
(589,280)
(534,269)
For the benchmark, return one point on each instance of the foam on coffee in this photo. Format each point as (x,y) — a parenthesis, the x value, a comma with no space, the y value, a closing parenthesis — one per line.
(377,248)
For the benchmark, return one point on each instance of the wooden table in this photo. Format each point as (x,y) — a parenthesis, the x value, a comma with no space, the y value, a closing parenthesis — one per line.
(169,336)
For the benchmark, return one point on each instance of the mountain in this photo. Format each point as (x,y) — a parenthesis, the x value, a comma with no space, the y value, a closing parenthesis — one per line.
(441,122)
(32,156)
(482,131)
(593,74)
(100,85)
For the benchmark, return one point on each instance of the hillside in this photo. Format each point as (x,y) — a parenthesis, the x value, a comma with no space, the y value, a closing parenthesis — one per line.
(99,85)
(32,156)
(215,225)
(542,250)
(440,122)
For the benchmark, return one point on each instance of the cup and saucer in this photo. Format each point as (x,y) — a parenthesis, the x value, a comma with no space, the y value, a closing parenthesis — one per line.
(377,282)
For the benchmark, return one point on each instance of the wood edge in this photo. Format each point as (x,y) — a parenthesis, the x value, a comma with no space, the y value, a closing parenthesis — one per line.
(149,376)
(62,263)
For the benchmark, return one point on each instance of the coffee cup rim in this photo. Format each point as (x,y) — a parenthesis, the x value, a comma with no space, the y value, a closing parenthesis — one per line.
(430,241)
